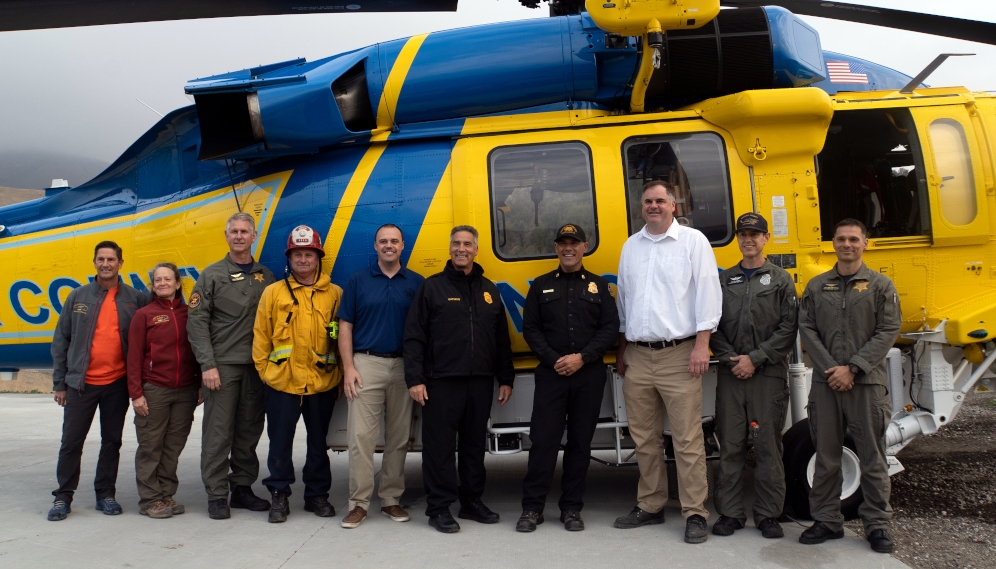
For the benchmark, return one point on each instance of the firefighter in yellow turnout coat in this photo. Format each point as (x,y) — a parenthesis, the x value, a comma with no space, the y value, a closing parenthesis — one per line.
(293,349)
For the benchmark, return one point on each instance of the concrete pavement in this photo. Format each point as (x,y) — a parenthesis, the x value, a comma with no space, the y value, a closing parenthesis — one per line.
(30,429)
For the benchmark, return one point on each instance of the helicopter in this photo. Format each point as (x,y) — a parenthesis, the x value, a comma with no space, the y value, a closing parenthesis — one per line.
(742,110)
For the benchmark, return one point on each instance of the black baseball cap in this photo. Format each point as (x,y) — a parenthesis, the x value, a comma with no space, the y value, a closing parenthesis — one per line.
(571,230)
(752,221)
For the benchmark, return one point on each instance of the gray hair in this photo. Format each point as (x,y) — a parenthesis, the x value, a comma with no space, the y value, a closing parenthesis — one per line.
(468,228)
(241,216)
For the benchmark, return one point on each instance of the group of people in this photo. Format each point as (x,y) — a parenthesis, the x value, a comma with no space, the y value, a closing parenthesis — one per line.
(248,346)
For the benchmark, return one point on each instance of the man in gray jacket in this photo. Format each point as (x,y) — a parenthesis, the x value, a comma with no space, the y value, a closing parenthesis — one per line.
(88,355)
(222,310)
(755,335)
(849,318)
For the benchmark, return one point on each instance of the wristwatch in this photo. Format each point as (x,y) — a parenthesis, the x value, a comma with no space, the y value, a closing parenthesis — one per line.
(854,369)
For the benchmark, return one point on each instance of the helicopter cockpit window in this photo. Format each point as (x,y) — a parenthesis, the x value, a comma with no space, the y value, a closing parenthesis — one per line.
(696,165)
(871,169)
(536,189)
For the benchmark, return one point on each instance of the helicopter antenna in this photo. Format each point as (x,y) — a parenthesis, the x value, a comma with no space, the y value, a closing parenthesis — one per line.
(149,107)
(232,182)
(908,89)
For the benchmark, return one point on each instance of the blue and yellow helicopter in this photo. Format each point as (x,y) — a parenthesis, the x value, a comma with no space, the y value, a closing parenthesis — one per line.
(562,120)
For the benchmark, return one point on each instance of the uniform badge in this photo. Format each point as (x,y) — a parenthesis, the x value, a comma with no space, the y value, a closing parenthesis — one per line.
(860,286)
(737,279)
(195,300)
(258,277)
(765,280)
(236,277)
(80,308)
(831,287)
(593,288)
(160,319)
(547,290)
(487,297)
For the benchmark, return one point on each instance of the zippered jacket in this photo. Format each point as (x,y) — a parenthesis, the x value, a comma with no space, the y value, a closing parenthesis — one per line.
(73,335)
(854,323)
(760,319)
(457,327)
(291,346)
(160,351)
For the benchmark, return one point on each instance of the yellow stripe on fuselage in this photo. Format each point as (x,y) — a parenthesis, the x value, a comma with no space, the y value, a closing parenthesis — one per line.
(347,205)
(392,87)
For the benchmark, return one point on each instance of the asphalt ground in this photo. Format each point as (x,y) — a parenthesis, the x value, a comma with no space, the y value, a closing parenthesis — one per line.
(30,427)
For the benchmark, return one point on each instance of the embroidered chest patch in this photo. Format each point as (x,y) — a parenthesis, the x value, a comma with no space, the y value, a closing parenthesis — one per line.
(765,280)
(860,286)
(831,287)
(236,277)
(80,308)
(160,318)
(258,277)
(736,279)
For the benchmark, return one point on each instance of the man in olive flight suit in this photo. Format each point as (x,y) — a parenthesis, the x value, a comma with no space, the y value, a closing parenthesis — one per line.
(849,318)
(222,310)
(755,335)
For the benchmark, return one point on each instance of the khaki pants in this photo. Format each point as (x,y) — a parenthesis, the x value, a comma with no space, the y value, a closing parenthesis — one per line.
(658,382)
(161,438)
(865,412)
(384,393)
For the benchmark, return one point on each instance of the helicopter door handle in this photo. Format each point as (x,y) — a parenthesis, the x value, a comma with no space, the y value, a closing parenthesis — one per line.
(502,235)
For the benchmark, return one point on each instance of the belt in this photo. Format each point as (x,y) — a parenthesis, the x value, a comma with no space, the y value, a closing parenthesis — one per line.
(662,345)
(380,355)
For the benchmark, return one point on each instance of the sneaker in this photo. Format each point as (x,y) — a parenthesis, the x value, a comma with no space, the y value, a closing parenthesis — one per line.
(396,513)
(218,509)
(109,506)
(528,521)
(638,518)
(881,541)
(477,511)
(354,518)
(726,525)
(279,508)
(320,506)
(60,509)
(572,520)
(818,533)
(770,528)
(174,506)
(695,529)
(157,510)
(243,497)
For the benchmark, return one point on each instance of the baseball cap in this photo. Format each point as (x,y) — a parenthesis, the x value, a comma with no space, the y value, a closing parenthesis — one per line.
(752,221)
(571,230)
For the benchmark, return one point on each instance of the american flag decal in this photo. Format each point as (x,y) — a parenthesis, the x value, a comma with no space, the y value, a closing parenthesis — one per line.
(844,72)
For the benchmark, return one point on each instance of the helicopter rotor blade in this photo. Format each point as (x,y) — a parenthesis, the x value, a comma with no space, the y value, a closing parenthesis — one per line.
(957,28)
(43,14)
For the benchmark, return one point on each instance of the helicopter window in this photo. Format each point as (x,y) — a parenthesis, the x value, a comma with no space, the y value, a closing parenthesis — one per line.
(536,189)
(954,166)
(871,169)
(696,165)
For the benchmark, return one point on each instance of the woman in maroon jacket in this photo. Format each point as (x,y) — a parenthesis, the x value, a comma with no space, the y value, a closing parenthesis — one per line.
(164,384)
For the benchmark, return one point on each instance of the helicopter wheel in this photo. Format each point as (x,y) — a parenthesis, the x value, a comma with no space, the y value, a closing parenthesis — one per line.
(799,459)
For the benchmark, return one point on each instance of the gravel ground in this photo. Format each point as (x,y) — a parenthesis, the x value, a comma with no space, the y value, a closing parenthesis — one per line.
(945,500)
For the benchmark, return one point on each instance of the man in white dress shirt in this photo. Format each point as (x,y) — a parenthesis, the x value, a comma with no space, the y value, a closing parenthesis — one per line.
(669,304)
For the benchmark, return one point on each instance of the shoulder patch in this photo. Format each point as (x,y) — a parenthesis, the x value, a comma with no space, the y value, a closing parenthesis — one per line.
(736,279)
(831,287)
(195,300)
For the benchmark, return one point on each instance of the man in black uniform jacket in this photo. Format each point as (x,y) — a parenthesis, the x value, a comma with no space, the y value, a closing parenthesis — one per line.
(570,320)
(456,344)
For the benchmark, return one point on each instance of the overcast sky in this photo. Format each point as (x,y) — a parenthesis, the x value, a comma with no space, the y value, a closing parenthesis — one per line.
(74,91)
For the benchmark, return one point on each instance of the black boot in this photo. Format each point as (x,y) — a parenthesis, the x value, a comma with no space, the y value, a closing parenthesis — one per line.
(320,506)
(280,509)
(218,509)
(243,497)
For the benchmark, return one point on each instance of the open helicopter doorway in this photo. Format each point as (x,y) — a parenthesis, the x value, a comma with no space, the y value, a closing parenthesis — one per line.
(871,169)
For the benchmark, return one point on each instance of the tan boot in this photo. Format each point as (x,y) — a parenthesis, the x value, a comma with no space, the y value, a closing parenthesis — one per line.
(173,505)
(157,510)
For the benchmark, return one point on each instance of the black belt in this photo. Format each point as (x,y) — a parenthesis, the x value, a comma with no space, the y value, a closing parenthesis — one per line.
(662,345)
(380,355)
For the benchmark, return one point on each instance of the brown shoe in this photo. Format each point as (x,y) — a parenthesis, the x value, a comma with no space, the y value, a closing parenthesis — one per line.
(354,518)
(157,510)
(173,505)
(396,513)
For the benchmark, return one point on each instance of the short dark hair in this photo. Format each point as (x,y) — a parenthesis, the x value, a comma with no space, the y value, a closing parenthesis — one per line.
(851,222)
(389,226)
(108,245)
(668,187)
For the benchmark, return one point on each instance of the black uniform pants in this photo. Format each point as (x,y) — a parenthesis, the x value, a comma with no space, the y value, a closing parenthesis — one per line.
(282,413)
(77,416)
(455,407)
(573,401)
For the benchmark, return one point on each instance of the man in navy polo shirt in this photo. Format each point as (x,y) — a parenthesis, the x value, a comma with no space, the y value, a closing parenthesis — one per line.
(372,324)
